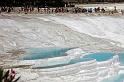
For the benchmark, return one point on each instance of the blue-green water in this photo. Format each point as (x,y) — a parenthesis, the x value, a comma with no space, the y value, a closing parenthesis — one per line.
(120,77)
(102,56)
(121,58)
(42,53)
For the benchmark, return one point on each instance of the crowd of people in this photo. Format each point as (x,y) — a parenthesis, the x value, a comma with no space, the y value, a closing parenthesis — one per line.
(29,10)
(6,9)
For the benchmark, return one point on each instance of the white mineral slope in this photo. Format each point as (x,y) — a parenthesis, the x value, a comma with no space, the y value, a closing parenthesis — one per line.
(25,31)
(106,27)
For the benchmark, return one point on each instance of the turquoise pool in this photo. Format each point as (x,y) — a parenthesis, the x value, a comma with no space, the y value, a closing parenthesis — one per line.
(121,58)
(42,53)
(101,56)
(120,77)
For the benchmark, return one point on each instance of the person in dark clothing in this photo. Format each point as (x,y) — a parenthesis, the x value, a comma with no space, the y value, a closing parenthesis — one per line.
(9,10)
(103,10)
(122,12)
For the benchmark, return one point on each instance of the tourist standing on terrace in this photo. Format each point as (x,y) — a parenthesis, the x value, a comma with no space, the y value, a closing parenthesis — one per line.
(122,11)
(0,10)
(103,10)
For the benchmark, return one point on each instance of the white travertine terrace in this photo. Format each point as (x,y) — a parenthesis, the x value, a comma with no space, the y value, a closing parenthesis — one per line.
(89,33)
(86,71)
